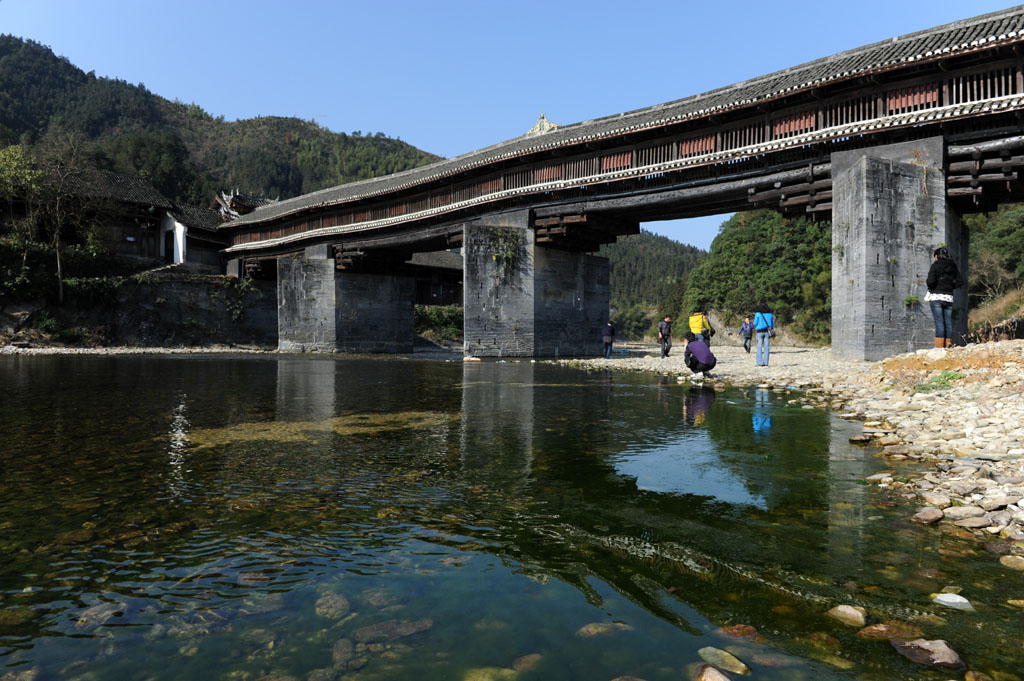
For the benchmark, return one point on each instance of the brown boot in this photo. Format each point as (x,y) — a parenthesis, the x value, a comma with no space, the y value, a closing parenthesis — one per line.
(940,342)
(949,342)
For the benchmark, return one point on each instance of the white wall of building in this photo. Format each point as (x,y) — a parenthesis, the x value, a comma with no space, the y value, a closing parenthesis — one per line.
(169,224)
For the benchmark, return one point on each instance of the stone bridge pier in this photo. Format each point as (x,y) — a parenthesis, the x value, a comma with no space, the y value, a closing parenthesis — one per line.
(889,214)
(321,309)
(525,299)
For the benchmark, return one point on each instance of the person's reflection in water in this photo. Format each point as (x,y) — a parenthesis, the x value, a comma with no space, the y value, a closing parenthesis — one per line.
(697,404)
(663,384)
(761,420)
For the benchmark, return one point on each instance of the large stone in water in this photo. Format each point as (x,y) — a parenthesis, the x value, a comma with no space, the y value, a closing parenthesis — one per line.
(935,499)
(1012,562)
(391,630)
(955,601)
(708,673)
(332,605)
(854,616)
(973,523)
(932,653)
(927,515)
(961,512)
(723,660)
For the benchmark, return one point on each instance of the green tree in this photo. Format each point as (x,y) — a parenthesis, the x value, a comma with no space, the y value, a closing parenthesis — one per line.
(762,257)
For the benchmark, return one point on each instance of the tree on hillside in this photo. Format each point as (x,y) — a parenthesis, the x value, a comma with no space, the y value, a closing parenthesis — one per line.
(996,252)
(142,133)
(643,270)
(162,159)
(762,257)
(45,204)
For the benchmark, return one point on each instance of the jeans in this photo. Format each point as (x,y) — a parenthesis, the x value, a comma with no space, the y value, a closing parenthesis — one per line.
(746,344)
(666,345)
(607,350)
(763,348)
(697,367)
(943,315)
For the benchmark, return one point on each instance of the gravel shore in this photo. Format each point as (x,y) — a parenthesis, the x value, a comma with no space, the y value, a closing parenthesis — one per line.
(960,410)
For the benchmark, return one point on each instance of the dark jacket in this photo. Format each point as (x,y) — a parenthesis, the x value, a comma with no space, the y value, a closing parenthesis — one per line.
(746,330)
(701,352)
(665,328)
(608,331)
(943,276)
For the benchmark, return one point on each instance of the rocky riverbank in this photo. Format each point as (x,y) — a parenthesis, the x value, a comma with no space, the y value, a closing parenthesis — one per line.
(959,411)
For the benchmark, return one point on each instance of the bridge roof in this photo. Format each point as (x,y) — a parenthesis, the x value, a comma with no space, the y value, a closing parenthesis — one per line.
(981,32)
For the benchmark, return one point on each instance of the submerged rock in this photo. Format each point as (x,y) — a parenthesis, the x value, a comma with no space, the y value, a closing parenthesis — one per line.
(343,651)
(708,673)
(491,674)
(98,614)
(602,629)
(391,630)
(723,660)
(891,630)
(333,606)
(935,653)
(852,615)
(977,676)
(527,662)
(15,617)
(80,536)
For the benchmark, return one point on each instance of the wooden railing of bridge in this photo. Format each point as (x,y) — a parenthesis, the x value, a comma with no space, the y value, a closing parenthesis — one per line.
(805,129)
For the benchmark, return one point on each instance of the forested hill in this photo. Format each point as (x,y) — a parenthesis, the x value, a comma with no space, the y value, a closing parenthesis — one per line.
(186,152)
(646,267)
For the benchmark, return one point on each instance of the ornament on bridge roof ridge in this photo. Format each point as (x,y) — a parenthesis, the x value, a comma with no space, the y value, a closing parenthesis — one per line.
(543,125)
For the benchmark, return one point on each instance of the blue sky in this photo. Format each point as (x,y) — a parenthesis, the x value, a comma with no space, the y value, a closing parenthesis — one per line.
(453,76)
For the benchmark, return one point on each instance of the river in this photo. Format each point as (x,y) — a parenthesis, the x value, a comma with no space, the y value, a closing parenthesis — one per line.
(270,517)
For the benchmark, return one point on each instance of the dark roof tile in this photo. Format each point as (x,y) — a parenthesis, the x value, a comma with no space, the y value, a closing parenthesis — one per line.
(1004,25)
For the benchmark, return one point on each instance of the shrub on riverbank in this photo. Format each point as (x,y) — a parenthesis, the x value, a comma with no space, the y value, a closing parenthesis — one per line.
(439,322)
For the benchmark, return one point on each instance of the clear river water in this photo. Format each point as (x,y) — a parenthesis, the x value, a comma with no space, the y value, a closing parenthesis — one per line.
(302,518)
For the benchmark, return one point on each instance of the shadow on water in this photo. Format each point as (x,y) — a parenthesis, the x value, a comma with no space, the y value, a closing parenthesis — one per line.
(217,517)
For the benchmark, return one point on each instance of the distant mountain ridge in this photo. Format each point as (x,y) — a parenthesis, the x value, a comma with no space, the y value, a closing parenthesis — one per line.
(183,150)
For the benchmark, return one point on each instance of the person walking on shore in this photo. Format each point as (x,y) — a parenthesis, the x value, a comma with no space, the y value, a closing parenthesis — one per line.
(764,327)
(746,332)
(608,336)
(943,278)
(665,335)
